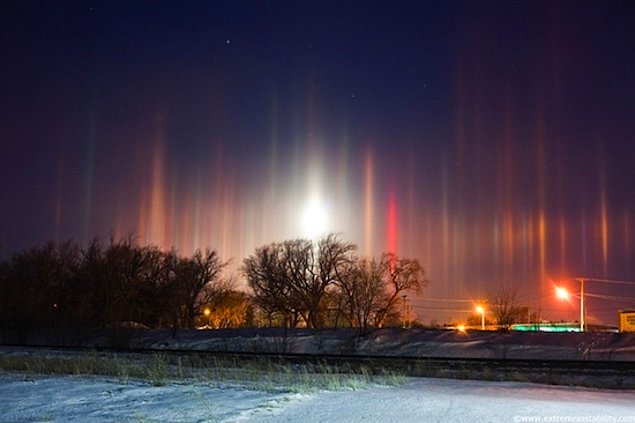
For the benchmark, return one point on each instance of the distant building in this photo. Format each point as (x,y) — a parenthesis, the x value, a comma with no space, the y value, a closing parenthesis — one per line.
(626,320)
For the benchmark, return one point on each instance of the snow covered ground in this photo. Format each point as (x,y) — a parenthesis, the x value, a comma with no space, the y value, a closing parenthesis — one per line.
(98,399)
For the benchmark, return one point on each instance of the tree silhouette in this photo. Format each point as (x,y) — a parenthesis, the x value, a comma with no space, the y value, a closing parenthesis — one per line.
(194,282)
(292,278)
(505,310)
(371,288)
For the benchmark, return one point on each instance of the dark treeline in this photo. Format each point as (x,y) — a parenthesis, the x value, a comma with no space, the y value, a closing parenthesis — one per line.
(107,284)
(325,284)
(295,283)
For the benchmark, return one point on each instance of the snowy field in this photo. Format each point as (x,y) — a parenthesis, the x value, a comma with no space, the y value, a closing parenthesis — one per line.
(98,399)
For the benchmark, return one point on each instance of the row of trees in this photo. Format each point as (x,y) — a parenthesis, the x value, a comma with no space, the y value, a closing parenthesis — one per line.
(105,285)
(324,283)
(294,283)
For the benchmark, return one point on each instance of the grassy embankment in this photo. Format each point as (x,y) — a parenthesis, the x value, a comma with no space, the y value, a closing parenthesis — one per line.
(159,370)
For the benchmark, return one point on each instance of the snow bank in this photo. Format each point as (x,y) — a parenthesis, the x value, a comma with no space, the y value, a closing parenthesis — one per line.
(413,343)
(443,400)
(390,341)
(97,399)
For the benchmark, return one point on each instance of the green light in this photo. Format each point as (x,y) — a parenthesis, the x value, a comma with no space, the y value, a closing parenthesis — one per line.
(549,327)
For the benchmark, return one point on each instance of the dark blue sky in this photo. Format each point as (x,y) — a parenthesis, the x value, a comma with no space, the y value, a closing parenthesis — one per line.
(492,140)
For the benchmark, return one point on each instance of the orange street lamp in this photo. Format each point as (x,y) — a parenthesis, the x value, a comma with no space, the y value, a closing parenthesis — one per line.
(207,312)
(563,294)
(481,310)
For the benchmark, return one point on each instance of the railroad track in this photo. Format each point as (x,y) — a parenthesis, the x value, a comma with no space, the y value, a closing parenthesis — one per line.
(606,374)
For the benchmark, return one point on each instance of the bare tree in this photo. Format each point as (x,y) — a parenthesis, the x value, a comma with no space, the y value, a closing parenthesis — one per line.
(323,265)
(372,289)
(267,277)
(195,282)
(403,274)
(505,310)
(112,275)
(293,277)
(363,291)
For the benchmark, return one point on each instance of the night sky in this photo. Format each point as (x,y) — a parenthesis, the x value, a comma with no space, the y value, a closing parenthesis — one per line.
(493,141)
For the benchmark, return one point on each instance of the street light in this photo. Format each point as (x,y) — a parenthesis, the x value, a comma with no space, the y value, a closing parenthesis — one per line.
(582,281)
(207,312)
(481,310)
(563,294)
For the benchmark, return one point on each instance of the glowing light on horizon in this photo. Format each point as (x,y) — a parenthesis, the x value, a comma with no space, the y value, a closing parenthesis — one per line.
(562,293)
(314,222)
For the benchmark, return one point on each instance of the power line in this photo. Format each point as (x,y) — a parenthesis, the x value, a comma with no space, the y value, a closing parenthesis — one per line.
(610,297)
(607,281)
(445,300)
(432,308)
(446,310)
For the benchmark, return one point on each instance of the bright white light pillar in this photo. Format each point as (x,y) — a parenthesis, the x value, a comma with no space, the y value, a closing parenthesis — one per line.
(481,309)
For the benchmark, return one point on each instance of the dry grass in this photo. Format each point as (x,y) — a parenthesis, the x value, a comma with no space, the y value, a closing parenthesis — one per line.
(158,369)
